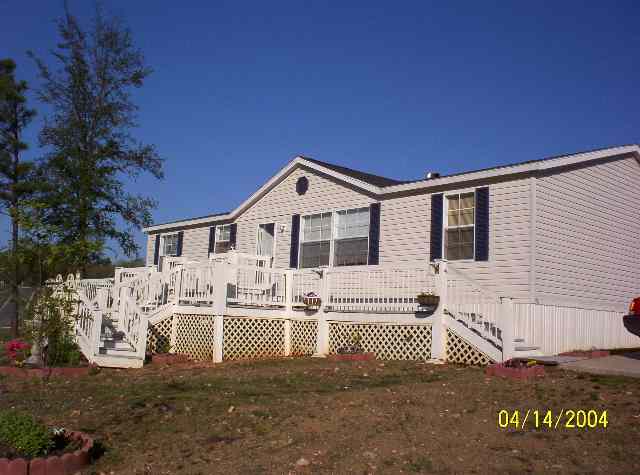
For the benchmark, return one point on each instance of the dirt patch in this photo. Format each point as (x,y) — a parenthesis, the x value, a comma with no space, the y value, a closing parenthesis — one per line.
(311,415)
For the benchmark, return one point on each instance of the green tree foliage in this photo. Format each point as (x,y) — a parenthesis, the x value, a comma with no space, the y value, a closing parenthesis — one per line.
(89,141)
(17,183)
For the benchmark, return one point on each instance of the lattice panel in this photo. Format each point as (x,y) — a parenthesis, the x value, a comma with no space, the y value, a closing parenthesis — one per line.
(461,351)
(194,336)
(387,341)
(304,334)
(159,336)
(246,337)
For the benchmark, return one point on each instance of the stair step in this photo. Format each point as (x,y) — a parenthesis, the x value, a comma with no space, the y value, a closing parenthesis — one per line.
(526,348)
(118,353)
(518,340)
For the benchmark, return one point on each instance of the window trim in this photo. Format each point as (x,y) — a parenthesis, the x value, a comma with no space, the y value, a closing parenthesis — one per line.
(445,222)
(216,240)
(332,239)
(163,237)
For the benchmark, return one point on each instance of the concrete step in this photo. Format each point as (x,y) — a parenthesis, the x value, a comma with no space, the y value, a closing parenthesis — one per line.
(110,361)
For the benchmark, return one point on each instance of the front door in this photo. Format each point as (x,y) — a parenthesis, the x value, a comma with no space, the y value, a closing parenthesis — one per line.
(266,240)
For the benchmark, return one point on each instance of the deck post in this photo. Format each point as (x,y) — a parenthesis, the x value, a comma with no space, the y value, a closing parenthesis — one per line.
(322,344)
(288,292)
(507,326)
(438,329)
(218,338)
(221,282)
(287,337)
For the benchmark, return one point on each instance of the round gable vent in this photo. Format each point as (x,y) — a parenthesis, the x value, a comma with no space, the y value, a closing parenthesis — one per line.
(302,185)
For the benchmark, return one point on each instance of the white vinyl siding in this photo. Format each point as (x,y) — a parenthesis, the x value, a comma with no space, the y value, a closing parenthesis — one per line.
(282,201)
(588,236)
(405,232)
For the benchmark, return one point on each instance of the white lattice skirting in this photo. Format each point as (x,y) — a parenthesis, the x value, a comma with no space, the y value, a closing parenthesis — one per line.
(461,351)
(159,336)
(304,335)
(388,341)
(253,338)
(195,336)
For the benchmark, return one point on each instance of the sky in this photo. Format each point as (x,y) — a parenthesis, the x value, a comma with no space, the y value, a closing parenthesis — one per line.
(393,88)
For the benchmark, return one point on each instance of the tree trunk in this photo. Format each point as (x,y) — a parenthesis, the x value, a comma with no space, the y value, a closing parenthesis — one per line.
(15,281)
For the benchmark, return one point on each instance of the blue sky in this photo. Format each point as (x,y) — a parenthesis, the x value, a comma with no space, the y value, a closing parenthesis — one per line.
(393,88)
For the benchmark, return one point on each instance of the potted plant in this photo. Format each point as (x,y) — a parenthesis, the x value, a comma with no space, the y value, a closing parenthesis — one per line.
(311,300)
(428,299)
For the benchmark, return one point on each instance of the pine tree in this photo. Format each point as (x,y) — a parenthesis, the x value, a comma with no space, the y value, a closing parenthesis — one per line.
(88,137)
(17,183)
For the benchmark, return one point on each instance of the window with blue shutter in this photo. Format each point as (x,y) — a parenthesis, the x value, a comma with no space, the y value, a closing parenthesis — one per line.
(233,235)
(179,244)
(212,239)
(295,236)
(156,251)
(482,224)
(374,234)
(436,227)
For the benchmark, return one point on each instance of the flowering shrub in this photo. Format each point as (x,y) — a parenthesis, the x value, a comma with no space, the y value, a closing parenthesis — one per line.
(17,350)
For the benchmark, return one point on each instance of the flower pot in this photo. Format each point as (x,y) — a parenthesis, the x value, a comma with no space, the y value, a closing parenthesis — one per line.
(428,300)
(311,300)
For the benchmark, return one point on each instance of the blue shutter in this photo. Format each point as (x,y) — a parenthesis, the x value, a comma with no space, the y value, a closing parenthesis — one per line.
(212,239)
(179,246)
(233,233)
(156,252)
(295,235)
(482,224)
(436,227)
(374,234)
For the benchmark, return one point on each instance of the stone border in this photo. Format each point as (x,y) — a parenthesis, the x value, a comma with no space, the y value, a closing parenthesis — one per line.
(68,464)
(44,373)
(500,369)
(352,357)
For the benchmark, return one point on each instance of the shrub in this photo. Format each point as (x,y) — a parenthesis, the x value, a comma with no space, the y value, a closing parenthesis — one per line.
(25,435)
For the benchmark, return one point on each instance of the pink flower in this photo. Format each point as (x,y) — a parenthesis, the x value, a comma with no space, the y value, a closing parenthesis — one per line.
(16,348)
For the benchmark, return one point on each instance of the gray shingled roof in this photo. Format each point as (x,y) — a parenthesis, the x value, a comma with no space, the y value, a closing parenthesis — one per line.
(374,180)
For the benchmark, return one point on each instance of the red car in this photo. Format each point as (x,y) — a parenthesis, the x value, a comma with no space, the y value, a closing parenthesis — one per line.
(632,321)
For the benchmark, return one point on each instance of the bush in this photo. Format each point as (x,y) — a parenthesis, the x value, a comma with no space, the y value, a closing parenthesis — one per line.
(24,434)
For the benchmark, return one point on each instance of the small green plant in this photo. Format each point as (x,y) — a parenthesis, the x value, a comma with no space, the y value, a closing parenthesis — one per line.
(51,321)
(24,434)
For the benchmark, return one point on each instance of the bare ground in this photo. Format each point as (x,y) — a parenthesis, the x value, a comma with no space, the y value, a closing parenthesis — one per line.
(373,417)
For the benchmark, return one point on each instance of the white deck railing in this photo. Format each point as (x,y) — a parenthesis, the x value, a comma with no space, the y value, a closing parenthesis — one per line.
(377,290)
(249,281)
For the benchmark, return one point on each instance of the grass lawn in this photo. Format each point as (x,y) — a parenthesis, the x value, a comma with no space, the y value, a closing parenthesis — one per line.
(391,417)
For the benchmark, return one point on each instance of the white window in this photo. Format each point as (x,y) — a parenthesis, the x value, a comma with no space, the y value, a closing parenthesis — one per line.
(340,238)
(170,245)
(223,239)
(459,226)
(315,247)
(351,241)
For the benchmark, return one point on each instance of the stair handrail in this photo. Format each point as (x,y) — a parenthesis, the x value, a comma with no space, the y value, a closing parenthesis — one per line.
(480,309)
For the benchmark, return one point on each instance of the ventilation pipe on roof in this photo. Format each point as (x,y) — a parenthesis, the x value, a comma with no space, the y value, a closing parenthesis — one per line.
(432,175)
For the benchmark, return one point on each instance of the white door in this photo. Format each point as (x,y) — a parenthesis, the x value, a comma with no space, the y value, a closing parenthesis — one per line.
(266,240)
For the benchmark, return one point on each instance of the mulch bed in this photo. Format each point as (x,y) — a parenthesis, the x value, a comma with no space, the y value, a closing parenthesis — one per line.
(515,369)
(352,357)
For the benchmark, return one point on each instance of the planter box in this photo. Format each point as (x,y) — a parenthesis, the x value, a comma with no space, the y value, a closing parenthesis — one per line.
(522,373)
(44,373)
(68,464)
(352,357)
